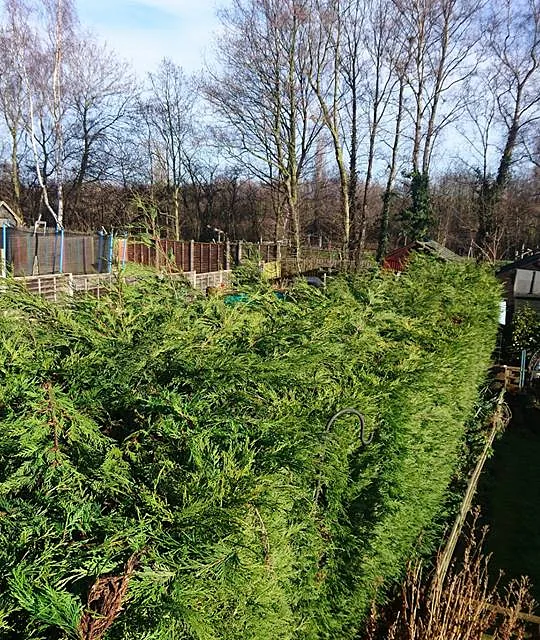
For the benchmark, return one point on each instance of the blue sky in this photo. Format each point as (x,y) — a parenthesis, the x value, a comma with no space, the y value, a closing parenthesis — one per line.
(145,31)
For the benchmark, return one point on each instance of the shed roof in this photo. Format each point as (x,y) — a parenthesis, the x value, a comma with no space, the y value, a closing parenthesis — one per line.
(438,250)
(396,259)
(528,262)
(5,208)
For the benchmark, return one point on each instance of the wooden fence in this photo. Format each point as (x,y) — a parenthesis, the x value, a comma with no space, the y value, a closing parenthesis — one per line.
(28,254)
(509,377)
(206,257)
(201,257)
(52,287)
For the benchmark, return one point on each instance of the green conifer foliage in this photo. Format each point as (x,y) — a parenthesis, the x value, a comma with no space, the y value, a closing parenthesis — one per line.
(418,217)
(166,471)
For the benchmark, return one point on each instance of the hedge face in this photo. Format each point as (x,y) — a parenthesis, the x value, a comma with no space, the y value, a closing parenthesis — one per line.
(165,467)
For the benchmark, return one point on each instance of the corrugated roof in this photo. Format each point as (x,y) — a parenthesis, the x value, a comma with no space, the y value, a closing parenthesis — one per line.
(396,259)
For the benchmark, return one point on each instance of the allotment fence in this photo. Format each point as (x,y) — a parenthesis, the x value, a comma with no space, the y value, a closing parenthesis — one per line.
(24,252)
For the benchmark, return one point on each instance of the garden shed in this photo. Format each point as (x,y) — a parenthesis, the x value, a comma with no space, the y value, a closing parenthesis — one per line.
(8,217)
(521,280)
(397,259)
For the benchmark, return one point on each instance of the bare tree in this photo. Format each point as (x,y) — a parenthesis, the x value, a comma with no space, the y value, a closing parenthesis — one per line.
(60,18)
(442,35)
(168,111)
(325,74)
(263,98)
(392,169)
(513,40)
(40,64)
(99,94)
(387,56)
(12,100)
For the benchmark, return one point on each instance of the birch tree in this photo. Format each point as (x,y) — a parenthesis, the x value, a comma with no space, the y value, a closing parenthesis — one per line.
(11,102)
(40,65)
(387,55)
(513,43)
(269,119)
(443,35)
(325,75)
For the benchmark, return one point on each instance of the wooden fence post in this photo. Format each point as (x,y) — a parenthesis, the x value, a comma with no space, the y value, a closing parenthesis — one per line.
(4,250)
(192,255)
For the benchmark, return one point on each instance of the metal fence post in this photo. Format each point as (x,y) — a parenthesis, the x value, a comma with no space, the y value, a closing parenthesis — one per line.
(111,247)
(4,250)
(61,265)
(55,251)
(523,368)
(101,242)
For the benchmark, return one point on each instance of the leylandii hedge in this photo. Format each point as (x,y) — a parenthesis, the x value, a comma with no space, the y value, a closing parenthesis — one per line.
(165,467)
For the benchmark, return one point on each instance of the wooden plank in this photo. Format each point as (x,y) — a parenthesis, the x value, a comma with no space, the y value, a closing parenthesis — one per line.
(497,423)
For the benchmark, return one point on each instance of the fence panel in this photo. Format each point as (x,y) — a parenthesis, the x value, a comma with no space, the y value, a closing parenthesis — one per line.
(201,257)
(175,254)
(82,255)
(33,254)
(20,254)
(29,253)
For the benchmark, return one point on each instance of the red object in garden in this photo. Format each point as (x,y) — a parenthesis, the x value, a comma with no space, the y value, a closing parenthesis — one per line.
(397,259)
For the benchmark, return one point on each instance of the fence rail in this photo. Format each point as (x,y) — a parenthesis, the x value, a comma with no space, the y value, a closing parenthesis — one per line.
(25,253)
(58,286)
(51,287)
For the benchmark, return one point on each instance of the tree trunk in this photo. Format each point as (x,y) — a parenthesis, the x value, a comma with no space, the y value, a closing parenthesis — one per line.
(387,197)
(176,204)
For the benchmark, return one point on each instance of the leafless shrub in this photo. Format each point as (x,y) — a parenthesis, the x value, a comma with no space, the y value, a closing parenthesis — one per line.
(463,605)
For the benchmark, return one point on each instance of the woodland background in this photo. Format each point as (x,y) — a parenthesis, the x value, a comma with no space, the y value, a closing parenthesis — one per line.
(356,123)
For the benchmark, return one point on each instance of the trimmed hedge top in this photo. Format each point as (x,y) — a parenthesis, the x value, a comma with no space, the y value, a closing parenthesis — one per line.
(166,471)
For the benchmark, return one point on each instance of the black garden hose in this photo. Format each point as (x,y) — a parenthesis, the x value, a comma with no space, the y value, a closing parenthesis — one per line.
(320,489)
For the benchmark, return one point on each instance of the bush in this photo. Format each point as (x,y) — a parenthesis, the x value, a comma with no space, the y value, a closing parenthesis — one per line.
(166,470)
(525,331)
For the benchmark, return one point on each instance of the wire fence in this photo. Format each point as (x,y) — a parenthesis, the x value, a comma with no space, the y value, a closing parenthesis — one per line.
(28,253)
(25,253)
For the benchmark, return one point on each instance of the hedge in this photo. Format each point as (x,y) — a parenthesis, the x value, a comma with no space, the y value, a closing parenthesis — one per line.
(166,470)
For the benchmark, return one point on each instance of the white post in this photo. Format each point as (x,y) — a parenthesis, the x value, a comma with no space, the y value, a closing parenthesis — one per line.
(192,255)
(227,255)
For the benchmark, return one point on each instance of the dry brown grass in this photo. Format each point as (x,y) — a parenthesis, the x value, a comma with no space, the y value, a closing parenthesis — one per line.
(463,605)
